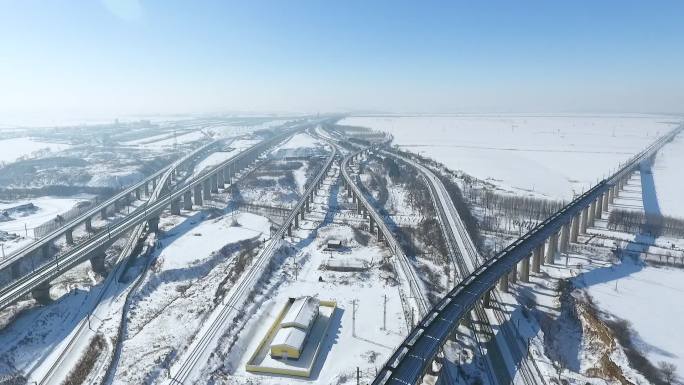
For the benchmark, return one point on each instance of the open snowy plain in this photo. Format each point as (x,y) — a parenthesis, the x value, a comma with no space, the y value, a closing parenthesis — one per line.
(554,156)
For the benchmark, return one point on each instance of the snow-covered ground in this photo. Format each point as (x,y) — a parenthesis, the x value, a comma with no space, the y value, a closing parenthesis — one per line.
(170,142)
(47,208)
(668,178)
(302,141)
(12,149)
(550,155)
(181,288)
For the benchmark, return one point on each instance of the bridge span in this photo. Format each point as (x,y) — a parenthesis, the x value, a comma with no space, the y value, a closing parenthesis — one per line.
(199,187)
(415,355)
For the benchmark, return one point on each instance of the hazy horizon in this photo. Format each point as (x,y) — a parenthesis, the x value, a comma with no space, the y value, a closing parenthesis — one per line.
(115,58)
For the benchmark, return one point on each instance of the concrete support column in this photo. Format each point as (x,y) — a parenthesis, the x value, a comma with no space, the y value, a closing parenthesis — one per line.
(610,195)
(551,249)
(147,189)
(574,230)
(296,221)
(565,236)
(187,200)
(487,299)
(371,225)
(176,206)
(214,183)
(219,179)
(103,212)
(380,236)
(537,258)
(599,207)
(308,209)
(513,274)
(137,193)
(153,224)
(69,233)
(592,211)
(97,262)
(358,206)
(605,201)
(198,195)
(206,184)
(289,230)
(525,269)
(616,191)
(89,225)
(41,293)
(154,183)
(301,213)
(503,283)
(583,221)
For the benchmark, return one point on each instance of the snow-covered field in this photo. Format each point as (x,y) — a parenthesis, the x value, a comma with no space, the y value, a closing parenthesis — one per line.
(668,178)
(47,208)
(550,155)
(12,149)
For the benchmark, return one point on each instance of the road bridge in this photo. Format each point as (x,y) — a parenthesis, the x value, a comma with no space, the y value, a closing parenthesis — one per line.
(200,187)
(202,345)
(42,246)
(412,359)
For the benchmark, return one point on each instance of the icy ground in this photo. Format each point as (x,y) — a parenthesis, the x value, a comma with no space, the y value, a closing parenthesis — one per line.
(668,177)
(550,155)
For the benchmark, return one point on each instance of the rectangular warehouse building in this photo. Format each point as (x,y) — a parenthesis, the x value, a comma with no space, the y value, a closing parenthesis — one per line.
(294,328)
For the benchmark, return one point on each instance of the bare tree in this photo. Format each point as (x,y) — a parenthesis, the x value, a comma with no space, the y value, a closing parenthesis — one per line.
(668,371)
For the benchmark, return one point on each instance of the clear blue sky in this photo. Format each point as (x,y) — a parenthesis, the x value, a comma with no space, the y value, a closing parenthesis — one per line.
(136,57)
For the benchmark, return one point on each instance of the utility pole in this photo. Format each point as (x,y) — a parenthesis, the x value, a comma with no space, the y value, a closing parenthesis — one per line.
(384,313)
(354,317)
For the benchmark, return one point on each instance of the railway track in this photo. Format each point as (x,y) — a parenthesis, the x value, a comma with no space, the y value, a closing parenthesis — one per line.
(460,243)
(200,347)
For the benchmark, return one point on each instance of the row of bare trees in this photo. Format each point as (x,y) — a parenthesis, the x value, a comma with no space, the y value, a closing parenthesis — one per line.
(655,225)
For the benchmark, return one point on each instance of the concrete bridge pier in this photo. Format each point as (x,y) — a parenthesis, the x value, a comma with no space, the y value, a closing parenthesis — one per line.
(296,221)
(380,236)
(583,221)
(198,194)
(610,196)
(147,189)
(154,183)
(176,206)
(301,213)
(220,180)
(487,299)
(187,200)
(308,209)
(525,269)
(103,212)
(97,262)
(605,200)
(289,230)
(551,249)
(41,293)
(69,233)
(592,211)
(537,258)
(206,184)
(564,237)
(599,207)
(503,283)
(153,224)
(213,183)
(574,229)
(371,225)
(137,194)
(513,274)
(358,206)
